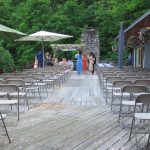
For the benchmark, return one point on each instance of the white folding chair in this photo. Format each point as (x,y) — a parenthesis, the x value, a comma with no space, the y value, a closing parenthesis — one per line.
(6,99)
(133,90)
(32,86)
(143,117)
(22,89)
(116,91)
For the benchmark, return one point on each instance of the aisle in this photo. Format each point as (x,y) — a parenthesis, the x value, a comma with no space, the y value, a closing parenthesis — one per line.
(79,90)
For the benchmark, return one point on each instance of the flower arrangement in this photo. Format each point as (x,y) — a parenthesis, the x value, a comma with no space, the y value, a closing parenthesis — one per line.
(145,34)
(132,41)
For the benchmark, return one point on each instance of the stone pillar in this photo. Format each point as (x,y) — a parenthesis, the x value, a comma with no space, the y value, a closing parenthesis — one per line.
(90,40)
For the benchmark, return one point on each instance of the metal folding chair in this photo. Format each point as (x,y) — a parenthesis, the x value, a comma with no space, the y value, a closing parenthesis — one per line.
(109,85)
(143,117)
(134,91)
(32,86)
(116,91)
(22,89)
(6,90)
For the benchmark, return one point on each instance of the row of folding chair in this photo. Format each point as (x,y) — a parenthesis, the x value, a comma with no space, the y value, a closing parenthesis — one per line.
(22,84)
(130,92)
(137,108)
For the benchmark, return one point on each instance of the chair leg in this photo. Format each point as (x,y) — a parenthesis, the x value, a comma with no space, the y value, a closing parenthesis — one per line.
(18,110)
(131,128)
(147,147)
(26,99)
(112,100)
(120,113)
(5,127)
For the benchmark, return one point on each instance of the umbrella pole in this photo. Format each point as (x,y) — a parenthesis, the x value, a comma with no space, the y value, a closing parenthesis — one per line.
(121,47)
(43,51)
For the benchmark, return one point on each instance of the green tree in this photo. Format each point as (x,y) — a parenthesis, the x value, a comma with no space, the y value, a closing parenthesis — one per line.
(6,60)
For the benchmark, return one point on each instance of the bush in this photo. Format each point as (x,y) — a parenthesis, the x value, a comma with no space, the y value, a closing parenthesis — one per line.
(6,60)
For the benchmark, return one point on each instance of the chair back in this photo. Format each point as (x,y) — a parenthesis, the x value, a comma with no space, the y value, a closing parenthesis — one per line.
(9,88)
(143,98)
(113,78)
(121,83)
(18,82)
(126,74)
(29,79)
(145,82)
(132,78)
(39,76)
(134,89)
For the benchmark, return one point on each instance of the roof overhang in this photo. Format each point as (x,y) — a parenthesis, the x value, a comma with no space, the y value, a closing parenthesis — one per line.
(137,25)
(67,47)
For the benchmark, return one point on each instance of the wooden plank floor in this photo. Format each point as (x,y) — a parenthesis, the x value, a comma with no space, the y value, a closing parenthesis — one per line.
(73,117)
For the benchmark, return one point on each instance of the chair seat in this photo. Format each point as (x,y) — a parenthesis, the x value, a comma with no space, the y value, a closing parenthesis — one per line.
(40,84)
(55,77)
(137,94)
(16,94)
(3,93)
(130,103)
(144,116)
(48,80)
(8,102)
(108,84)
(110,88)
(3,116)
(28,84)
(119,94)
(32,88)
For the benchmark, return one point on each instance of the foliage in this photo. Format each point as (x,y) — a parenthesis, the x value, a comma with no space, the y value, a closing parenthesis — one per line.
(67,17)
(6,59)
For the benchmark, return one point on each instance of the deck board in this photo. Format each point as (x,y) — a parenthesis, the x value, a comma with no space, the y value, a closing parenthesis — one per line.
(73,117)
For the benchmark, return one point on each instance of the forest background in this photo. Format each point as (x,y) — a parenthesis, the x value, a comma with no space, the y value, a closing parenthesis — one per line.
(67,17)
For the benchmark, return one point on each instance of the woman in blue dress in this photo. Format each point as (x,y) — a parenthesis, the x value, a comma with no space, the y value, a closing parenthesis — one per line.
(79,62)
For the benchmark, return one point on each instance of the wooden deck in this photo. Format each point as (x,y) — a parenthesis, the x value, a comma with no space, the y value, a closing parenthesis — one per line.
(73,117)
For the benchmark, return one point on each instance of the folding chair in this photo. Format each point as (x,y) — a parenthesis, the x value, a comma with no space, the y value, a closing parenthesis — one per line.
(22,89)
(48,78)
(143,116)
(116,91)
(41,82)
(109,85)
(2,117)
(32,86)
(104,77)
(133,90)
(6,90)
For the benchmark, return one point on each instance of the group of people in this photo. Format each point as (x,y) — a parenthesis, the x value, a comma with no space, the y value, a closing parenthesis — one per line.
(85,62)
(48,60)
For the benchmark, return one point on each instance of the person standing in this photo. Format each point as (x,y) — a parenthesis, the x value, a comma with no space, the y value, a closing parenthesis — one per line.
(36,63)
(94,59)
(84,63)
(79,62)
(40,58)
(91,63)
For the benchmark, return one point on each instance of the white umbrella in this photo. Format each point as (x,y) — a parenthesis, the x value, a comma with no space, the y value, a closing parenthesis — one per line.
(8,33)
(44,36)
